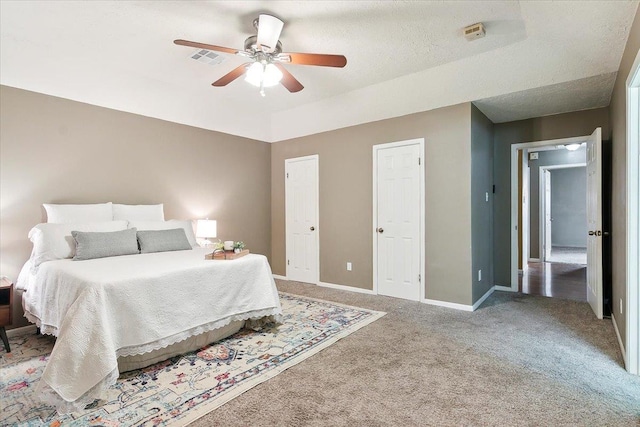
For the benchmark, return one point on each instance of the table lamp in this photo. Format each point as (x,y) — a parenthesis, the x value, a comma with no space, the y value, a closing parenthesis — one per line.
(207,229)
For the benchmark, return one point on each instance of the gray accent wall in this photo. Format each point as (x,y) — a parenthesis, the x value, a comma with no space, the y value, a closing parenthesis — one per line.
(481,208)
(565,125)
(545,158)
(569,207)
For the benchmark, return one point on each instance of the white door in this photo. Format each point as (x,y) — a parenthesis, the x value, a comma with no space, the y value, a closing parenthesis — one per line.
(301,199)
(594,222)
(397,220)
(547,214)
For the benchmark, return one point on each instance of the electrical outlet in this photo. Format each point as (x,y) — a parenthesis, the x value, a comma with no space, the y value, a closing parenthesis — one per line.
(620,305)
(349,266)
(479,275)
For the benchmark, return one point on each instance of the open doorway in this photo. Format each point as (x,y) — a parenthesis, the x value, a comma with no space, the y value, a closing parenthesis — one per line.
(562,219)
(553,198)
(544,278)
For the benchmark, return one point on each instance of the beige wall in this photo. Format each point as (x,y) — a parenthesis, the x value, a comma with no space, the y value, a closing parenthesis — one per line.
(619,181)
(346,199)
(54,150)
(558,126)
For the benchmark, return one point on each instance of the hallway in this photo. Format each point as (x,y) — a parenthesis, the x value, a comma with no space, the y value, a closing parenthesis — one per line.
(558,280)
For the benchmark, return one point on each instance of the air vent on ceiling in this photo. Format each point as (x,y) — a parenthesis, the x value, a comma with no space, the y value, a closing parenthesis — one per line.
(207,57)
(475,31)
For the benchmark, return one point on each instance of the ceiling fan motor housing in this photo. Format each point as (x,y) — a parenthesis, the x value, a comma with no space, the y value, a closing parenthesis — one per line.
(251,45)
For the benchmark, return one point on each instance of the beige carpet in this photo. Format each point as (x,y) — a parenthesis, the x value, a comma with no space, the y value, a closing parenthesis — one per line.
(518,360)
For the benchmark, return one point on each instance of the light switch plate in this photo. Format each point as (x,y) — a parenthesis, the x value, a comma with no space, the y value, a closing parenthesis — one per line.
(533,156)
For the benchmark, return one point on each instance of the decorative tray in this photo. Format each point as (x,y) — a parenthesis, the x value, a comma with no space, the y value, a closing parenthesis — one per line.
(226,255)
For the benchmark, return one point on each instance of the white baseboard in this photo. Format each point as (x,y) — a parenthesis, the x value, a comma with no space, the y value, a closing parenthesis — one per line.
(504,288)
(484,297)
(622,349)
(446,304)
(347,288)
(29,329)
(334,286)
(425,301)
(534,259)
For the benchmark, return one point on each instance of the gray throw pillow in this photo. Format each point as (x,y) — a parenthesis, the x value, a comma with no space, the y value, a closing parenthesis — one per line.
(174,239)
(90,245)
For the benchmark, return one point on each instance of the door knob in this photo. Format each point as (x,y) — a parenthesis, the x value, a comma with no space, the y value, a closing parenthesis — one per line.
(312,228)
(380,230)
(592,233)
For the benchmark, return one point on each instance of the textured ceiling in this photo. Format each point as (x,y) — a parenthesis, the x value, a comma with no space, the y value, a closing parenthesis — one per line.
(403,57)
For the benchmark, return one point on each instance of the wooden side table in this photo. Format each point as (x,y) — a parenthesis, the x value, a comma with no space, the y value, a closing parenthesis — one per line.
(6,309)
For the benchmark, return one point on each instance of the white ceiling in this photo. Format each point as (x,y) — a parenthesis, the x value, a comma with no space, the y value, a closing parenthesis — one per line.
(538,58)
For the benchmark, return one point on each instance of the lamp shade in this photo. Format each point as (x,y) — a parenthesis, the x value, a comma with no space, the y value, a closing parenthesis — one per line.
(207,228)
(269,29)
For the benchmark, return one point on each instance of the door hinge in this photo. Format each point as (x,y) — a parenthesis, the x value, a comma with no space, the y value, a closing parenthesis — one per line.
(287,174)
(287,262)
(419,161)
(419,278)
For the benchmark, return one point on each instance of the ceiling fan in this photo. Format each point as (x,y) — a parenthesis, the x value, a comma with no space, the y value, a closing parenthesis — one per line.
(264,51)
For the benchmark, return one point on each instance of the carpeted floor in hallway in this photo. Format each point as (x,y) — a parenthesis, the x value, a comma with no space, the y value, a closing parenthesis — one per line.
(517,360)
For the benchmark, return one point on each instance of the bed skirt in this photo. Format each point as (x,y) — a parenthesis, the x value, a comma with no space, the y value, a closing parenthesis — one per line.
(139,361)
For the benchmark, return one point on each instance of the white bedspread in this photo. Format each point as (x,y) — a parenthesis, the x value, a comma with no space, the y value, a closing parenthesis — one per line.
(104,308)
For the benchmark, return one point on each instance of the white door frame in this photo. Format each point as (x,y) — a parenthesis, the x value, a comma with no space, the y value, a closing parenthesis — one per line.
(513,286)
(526,202)
(633,219)
(376,148)
(542,226)
(318,229)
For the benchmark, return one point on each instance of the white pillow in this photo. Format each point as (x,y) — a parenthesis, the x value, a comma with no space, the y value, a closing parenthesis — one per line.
(167,225)
(78,214)
(138,212)
(54,241)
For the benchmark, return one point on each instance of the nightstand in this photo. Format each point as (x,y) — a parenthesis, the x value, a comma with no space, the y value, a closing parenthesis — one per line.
(6,303)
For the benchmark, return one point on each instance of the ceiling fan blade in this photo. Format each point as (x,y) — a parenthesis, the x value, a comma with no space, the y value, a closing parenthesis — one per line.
(230,76)
(206,46)
(288,81)
(321,59)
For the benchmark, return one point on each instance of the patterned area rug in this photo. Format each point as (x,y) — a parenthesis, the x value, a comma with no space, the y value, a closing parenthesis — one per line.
(184,388)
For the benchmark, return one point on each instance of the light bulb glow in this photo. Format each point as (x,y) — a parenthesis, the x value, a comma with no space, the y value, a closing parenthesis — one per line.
(254,74)
(272,75)
(263,75)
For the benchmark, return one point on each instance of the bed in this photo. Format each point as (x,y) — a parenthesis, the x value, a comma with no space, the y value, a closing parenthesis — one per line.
(120,313)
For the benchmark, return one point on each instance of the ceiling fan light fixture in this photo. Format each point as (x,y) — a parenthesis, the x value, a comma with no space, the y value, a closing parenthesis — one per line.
(263,75)
(269,29)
